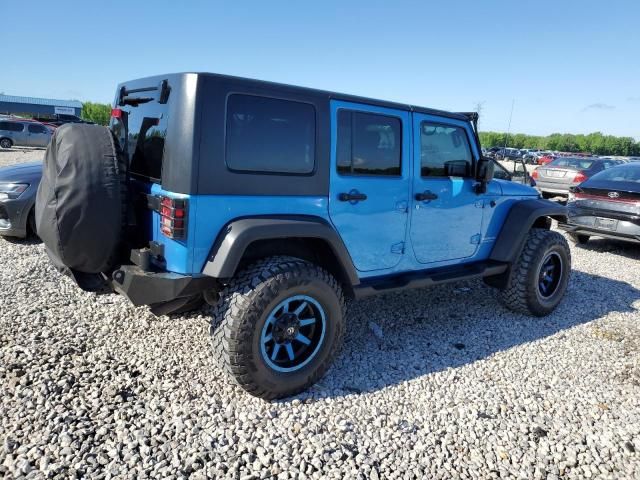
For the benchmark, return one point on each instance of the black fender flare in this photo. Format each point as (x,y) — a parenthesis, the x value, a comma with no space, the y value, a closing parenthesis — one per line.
(237,235)
(521,218)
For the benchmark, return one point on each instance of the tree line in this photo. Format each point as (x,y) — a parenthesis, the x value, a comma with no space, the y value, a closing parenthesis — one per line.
(99,113)
(596,143)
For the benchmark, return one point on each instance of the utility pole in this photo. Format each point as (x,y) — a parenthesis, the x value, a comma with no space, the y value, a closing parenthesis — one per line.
(506,139)
(479,107)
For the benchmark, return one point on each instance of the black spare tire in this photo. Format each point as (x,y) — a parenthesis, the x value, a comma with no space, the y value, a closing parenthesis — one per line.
(82,198)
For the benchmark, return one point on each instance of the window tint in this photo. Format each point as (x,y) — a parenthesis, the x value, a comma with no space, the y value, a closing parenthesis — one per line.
(444,151)
(11,126)
(270,135)
(144,137)
(368,144)
(37,129)
(572,163)
(626,173)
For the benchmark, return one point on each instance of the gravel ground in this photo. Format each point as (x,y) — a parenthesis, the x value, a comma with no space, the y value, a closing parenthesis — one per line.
(19,155)
(435,383)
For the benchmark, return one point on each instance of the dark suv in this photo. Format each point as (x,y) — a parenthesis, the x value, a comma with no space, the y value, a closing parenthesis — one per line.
(277,203)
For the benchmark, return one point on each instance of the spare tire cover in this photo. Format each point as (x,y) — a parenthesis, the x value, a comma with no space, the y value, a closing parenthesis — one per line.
(81,200)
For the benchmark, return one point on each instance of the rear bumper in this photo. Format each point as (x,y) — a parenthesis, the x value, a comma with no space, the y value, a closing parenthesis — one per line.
(583,221)
(578,230)
(552,188)
(147,288)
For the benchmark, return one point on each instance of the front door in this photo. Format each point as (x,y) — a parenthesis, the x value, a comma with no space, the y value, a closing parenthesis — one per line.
(370,172)
(446,212)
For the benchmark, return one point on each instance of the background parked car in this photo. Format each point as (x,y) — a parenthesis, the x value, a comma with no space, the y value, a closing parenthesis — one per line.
(547,158)
(18,187)
(24,133)
(531,156)
(558,176)
(508,154)
(606,205)
(60,119)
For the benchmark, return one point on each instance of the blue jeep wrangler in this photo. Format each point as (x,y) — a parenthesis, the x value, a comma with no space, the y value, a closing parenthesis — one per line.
(275,204)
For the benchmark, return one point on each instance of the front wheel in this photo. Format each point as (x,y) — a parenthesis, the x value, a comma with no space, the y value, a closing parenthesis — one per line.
(278,326)
(6,143)
(540,276)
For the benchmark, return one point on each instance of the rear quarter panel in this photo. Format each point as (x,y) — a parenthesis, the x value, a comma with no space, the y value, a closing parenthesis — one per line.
(208,214)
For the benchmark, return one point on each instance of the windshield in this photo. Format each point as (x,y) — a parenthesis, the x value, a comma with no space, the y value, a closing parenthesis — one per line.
(625,173)
(577,163)
(142,131)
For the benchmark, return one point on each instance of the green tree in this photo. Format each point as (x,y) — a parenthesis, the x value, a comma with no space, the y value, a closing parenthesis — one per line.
(96,112)
(595,142)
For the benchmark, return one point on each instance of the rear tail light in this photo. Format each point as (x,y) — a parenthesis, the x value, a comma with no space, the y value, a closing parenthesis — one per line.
(534,174)
(116,113)
(173,213)
(579,178)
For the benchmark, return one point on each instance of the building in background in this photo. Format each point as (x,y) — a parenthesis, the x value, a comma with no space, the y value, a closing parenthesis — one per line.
(39,107)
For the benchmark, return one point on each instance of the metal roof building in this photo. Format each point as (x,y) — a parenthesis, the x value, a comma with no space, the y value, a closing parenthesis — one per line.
(10,104)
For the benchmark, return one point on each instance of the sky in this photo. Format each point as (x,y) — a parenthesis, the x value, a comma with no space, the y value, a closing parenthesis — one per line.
(565,66)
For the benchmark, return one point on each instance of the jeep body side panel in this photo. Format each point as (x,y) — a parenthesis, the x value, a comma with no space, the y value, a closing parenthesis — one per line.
(214,212)
(236,237)
(520,219)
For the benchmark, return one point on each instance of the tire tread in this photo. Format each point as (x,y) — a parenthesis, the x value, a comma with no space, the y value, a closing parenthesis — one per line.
(242,300)
(517,295)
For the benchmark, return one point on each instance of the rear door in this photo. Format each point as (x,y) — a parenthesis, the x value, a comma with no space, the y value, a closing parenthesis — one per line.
(446,217)
(369,192)
(37,135)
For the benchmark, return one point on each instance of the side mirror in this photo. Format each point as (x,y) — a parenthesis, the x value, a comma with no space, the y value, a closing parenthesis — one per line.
(485,170)
(484,174)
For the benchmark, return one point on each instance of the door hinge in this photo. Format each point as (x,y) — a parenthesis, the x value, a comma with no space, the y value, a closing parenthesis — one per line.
(475,240)
(398,248)
(479,203)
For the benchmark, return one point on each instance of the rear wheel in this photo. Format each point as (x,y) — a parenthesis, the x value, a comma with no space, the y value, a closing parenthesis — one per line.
(6,143)
(540,276)
(278,326)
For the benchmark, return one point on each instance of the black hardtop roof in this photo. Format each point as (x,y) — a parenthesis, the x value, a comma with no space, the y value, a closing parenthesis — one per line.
(330,95)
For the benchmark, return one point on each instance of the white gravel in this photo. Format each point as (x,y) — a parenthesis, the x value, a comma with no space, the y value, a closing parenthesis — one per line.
(437,383)
(19,155)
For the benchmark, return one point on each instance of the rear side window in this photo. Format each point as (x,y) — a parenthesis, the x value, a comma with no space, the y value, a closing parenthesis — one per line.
(142,130)
(37,129)
(572,163)
(268,135)
(11,126)
(444,151)
(627,173)
(368,144)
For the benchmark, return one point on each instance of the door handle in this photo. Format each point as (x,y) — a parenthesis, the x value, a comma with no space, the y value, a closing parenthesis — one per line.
(426,195)
(352,196)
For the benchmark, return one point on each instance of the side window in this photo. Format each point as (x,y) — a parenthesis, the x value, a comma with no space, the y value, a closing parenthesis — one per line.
(368,144)
(36,129)
(444,151)
(11,126)
(270,135)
